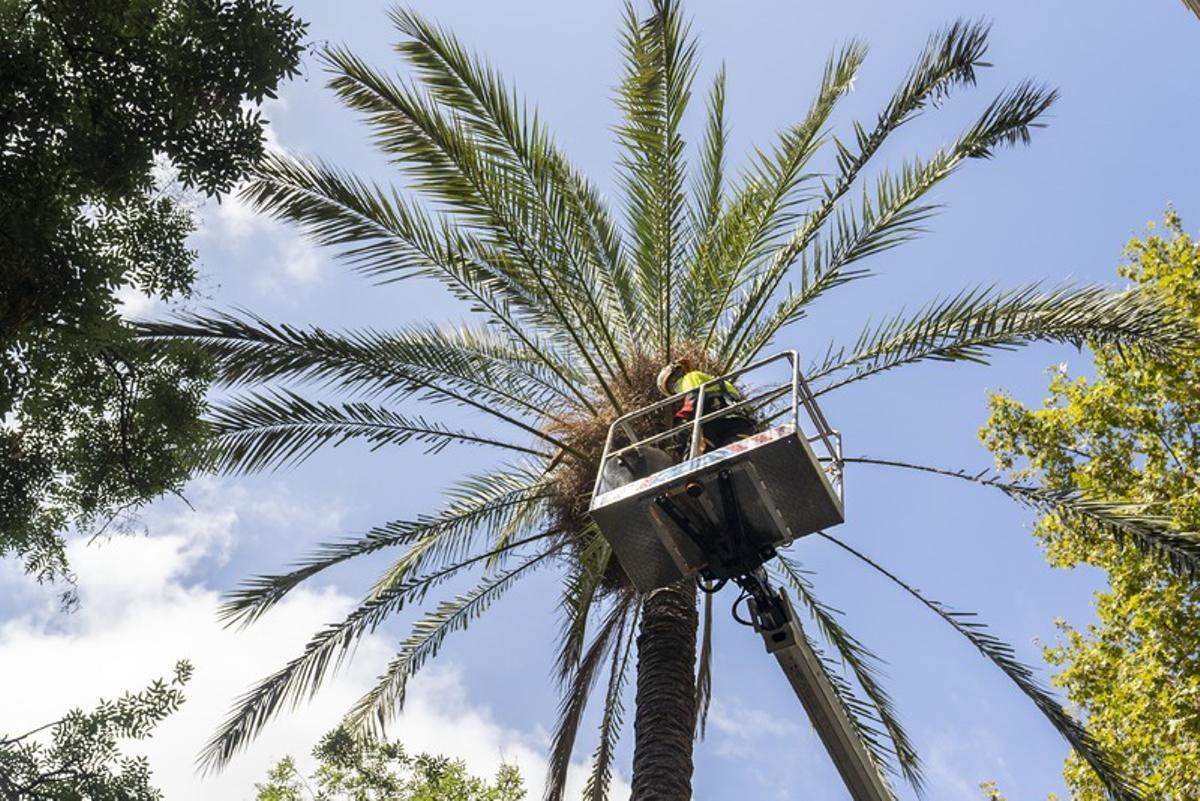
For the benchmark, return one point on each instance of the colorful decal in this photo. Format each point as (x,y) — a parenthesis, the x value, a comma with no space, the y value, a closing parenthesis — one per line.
(699,464)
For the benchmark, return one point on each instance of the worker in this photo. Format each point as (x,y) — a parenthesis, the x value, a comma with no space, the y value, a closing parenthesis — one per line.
(680,376)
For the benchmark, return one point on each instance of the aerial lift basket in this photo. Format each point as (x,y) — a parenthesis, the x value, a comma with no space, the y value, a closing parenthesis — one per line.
(671,506)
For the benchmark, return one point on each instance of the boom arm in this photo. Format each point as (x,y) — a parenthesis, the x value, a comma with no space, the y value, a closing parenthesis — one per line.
(775,619)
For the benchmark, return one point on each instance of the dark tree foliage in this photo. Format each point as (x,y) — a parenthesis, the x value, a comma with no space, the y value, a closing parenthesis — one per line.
(96,96)
(81,756)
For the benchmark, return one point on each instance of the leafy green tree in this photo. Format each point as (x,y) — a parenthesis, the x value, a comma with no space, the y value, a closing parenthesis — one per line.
(575,314)
(351,769)
(83,761)
(1130,434)
(98,98)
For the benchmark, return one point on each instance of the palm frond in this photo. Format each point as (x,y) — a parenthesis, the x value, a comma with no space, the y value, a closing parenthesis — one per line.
(704,213)
(864,665)
(252,350)
(660,64)
(1150,532)
(709,190)
(269,430)
(370,714)
(482,504)
(862,716)
(704,668)
(380,234)
(580,587)
(385,237)
(765,204)
(485,194)
(600,778)
(967,326)
(892,216)
(950,59)
(1001,654)
(479,355)
(576,692)
(516,522)
(585,233)
(300,678)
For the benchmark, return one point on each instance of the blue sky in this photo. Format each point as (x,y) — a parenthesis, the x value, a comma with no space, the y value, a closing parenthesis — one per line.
(1120,146)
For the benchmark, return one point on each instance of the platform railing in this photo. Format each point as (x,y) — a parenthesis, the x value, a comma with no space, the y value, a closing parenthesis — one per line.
(801,398)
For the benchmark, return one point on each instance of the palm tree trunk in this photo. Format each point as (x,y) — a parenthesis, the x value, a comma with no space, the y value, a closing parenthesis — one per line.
(665,720)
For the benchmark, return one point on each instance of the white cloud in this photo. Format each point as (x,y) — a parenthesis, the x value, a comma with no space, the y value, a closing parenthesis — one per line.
(956,765)
(232,220)
(133,304)
(741,730)
(290,261)
(145,605)
(301,262)
(777,753)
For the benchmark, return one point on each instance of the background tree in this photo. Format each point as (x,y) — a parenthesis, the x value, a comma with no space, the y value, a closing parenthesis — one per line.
(575,314)
(1131,434)
(352,769)
(100,102)
(83,759)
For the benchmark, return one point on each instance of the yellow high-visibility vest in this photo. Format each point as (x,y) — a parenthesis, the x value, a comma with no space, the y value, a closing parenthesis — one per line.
(696,378)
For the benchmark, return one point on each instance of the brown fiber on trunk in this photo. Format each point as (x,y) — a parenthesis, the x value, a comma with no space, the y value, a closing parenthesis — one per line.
(665,718)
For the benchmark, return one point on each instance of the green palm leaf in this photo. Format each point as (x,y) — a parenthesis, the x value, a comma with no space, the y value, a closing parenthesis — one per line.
(263,431)
(864,665)
(598,781)
(966,326)
(370,714)
(396,366)
(483,504)
(765,206)
(300,678)
(485,193)
(380,234)
(1152,534)
(1003,656)
(949,59)
(708,194)
(660,64)
(891,217)
(580,588)
(708,201)
(586,235)
(577,690)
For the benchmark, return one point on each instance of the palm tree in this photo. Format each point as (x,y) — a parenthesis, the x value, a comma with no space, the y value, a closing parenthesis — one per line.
(575,312)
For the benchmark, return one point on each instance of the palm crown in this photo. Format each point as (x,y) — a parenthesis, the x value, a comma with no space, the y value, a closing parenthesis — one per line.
(577,310)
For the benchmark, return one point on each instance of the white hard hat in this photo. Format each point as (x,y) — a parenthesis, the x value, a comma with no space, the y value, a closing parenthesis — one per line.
(664,377)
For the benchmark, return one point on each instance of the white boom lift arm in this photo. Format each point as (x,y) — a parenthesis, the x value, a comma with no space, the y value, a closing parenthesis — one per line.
(673,508)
